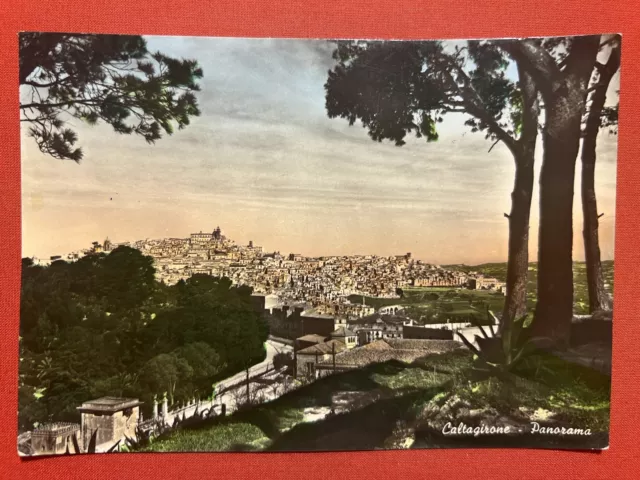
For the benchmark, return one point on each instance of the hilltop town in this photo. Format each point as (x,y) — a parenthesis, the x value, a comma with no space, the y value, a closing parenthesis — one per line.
(320,283)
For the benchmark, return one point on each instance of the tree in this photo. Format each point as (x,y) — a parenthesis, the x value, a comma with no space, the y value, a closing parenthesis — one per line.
(597,116)
(563,86)
(205,363)
(281,360)
(164,372)
(213,311)
(103,326)
(109,78)
(399,88)
(126,278)
(201,284)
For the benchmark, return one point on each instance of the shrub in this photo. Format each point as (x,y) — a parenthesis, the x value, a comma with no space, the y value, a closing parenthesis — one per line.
(281,360)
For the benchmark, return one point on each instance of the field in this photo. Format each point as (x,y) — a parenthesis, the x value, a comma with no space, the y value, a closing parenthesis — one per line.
(430,305)
(580,294)
(442,304)
(406,405)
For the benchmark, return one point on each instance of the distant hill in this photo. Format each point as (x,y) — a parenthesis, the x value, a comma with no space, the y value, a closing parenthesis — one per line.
(497,270)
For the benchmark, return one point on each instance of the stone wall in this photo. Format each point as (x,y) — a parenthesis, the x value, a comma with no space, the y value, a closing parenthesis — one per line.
(426,333)
(103,423)
(54,438)
(291,324)
(124,423)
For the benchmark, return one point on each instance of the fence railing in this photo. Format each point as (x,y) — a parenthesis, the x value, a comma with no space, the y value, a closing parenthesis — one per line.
(225,387)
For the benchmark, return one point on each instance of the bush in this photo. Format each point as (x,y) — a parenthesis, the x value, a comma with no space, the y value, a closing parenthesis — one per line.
(281,360)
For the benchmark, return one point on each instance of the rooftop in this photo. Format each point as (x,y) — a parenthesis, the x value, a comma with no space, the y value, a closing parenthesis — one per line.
(392,349)
(431,345)
(109,404)
(342,332)
(323,348)
(312,337)
(316,315)
(379,318)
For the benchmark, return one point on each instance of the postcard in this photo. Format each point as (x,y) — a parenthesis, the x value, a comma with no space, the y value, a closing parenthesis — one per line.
(259,245)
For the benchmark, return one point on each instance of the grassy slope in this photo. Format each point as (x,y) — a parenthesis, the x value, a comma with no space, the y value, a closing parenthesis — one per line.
(579,397)
(581,296)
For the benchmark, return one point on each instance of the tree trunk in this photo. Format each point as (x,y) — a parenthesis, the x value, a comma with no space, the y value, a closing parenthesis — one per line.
(598,297)
(563,91)
(295,359)
(333,354)
(561,141)
(248,392)
(515,305)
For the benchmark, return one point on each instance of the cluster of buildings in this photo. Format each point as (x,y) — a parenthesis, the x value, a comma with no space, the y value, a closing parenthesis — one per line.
(317,286)
(321,282)
(370,341)
(326,343)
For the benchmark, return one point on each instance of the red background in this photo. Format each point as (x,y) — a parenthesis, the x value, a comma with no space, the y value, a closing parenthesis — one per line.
(323,18)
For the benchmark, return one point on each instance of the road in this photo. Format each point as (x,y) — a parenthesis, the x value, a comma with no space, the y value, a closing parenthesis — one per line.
(227,397)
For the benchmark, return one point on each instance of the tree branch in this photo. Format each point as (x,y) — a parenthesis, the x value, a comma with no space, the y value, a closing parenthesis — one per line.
(536,61)
(34,52)
(596,86)
(600,67)
(611,39)
(56,105)
(530,108)
(474,104)
(494,144)
(40,85)
(582,56)
(454,110)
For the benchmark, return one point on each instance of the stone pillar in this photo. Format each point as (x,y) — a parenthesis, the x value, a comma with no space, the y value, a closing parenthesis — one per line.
(165,406)
(155,408)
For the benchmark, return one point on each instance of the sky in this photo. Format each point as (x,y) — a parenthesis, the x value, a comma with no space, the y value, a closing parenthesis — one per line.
(265,163)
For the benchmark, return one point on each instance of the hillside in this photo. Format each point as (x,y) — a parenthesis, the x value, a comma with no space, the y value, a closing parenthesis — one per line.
(398,405)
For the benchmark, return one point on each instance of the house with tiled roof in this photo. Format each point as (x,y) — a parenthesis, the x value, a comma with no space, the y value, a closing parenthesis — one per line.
(308,358)
(309,340)
(377,327)
(346,336)
(380,351)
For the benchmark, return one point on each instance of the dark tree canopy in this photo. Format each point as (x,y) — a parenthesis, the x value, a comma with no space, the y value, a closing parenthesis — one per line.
(109,78)
(400,88)
(103,326)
